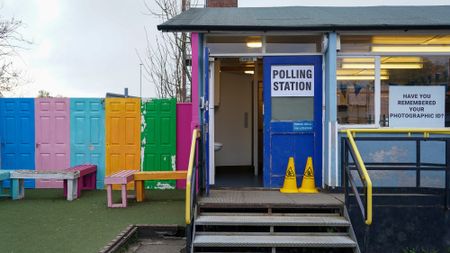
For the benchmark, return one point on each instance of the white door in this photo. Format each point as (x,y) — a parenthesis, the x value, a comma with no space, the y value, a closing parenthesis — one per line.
(233,120)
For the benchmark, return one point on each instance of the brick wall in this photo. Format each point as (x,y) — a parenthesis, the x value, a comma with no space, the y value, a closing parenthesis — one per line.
(221,3)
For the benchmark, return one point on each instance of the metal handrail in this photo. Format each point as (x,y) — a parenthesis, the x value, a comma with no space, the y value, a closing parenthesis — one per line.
(363,172)
(365,178)
(190,180)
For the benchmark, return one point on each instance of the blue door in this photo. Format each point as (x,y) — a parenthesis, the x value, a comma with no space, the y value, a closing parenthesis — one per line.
(17,135)
(292,116)
(87,135)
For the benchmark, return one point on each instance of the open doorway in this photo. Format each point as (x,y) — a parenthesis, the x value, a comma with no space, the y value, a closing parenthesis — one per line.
(238,122)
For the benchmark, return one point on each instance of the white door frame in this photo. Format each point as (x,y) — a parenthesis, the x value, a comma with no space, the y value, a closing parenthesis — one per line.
(212,167)
(211,125)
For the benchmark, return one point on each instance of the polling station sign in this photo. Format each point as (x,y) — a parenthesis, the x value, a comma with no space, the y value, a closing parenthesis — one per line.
(417,106)
(292,80)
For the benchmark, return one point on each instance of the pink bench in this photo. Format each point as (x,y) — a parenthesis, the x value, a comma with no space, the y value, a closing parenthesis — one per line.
(88,177)
(122,177)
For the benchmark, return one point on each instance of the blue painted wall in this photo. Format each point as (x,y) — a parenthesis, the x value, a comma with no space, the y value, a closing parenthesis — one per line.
(17,135)
(87,135)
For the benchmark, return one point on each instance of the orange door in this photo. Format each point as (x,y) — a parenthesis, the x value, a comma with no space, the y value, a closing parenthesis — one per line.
(123,135)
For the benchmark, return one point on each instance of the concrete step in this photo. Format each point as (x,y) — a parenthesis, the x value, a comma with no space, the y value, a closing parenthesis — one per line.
(272,220)
(252,240)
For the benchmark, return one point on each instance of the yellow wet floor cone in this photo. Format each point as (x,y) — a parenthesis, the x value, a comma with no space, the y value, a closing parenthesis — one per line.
(290,180)
(308,184)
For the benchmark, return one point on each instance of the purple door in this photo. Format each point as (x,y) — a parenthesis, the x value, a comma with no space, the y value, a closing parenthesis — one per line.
(52,137)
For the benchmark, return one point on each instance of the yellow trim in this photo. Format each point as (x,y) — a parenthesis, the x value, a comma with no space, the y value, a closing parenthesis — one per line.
(366,177)
(195,135)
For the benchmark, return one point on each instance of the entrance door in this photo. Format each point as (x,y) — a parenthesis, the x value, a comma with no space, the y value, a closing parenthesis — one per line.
(292,116)
(52,137)
(17,135)
(87,120)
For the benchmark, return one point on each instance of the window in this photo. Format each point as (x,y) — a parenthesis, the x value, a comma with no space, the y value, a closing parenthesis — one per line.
(413,71)
(234,44)
(355,90)
(370,65)
(293,44)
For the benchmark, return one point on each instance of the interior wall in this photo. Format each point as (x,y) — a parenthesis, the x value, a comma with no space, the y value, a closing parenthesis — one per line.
(233,120)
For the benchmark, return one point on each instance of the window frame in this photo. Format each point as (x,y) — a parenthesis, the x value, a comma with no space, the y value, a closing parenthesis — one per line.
(377,94)
(378,56)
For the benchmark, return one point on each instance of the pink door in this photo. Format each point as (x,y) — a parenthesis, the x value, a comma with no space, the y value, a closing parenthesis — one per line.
(52,137)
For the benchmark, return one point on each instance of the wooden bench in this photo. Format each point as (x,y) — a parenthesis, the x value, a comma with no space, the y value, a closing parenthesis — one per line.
(18,176)
(141,176)
(87,179)
(4,175)
(122,177)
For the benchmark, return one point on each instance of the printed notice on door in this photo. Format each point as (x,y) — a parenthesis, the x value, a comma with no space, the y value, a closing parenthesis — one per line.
(292,80)
(417,106)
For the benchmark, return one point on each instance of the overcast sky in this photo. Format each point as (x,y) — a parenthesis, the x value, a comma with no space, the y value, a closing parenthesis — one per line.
(85,48)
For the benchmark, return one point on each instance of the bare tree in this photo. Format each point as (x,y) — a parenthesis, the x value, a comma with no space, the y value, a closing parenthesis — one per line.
(43,94)
(10,41)
(164,62)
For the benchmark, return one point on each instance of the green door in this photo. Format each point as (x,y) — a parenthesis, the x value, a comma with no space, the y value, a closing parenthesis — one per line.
(158,139)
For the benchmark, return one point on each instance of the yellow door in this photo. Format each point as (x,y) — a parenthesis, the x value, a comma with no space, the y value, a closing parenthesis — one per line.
(123,135)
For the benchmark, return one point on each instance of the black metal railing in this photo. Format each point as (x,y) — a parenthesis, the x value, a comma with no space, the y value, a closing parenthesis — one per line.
(418,166)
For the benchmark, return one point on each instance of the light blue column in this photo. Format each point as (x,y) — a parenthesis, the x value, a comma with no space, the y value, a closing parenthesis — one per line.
(330,124)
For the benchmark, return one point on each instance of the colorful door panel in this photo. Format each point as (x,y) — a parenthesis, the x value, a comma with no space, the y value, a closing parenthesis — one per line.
(158,139)
(17,135)
(52,117)
(87,135)
(123,135)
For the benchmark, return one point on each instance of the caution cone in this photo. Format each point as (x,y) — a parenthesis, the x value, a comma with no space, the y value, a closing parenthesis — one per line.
(308,184)
(290,180)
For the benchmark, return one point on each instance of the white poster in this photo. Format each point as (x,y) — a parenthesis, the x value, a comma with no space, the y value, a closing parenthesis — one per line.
(292,80)
(417,106)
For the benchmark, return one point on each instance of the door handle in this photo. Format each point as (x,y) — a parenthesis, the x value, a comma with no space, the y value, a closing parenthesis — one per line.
(245,119)
(37,145)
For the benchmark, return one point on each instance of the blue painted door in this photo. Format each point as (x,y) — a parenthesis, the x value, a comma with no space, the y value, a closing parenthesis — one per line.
(292,116)
(17,135)
(87,135)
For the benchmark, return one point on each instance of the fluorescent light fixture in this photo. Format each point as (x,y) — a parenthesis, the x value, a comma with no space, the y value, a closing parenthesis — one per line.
(412,40)
(362,72)
(254,44)
(411,49)
(359,78)
(383,66)
(249,72)
(358,60)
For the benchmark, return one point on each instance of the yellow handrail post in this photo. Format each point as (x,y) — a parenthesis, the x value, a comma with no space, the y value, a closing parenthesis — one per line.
(195,135)
(365,175)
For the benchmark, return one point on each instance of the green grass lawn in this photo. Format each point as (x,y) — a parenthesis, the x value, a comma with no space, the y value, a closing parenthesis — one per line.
(45,222)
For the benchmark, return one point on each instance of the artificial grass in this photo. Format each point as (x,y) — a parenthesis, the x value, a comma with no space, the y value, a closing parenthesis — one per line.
(45,222)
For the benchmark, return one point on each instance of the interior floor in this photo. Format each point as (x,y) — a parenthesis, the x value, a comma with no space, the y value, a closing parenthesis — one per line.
(237,176)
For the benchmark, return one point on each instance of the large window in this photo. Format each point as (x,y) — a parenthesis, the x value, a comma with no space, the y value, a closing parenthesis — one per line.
(368,67)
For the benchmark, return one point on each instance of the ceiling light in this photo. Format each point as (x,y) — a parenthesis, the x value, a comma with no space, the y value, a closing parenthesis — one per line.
(249,72)
(383,66)
(411,49)
(359,78)
(254,44)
